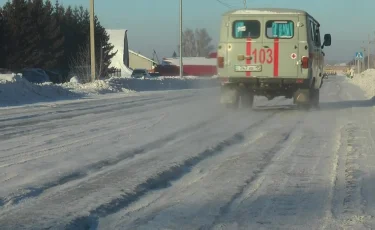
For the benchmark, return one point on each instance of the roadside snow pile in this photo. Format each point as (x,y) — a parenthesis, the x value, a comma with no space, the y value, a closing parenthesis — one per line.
(15,90)
(96,87)
(366,80)
(175,77)
(74,80)
(162,83)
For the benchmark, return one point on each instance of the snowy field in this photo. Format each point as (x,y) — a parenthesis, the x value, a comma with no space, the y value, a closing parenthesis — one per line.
(178,160)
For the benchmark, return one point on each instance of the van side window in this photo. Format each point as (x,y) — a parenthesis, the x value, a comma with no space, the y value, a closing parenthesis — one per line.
(315,33)
(246,29)
(312,31)
(280,29)
(317,36)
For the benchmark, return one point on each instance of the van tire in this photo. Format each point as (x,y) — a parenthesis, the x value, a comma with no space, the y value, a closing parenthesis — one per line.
(229,97)
(315,97)
(233,106)
(247,100)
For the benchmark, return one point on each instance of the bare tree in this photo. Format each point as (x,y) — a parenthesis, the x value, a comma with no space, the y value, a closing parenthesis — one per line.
(203,42)
(189,48)
(80,65)
(196,43)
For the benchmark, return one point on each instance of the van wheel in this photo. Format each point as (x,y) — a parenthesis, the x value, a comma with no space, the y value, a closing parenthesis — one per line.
(305,107)
(315,97)
(305,102)
(235,103)
(247,100)
(229,97)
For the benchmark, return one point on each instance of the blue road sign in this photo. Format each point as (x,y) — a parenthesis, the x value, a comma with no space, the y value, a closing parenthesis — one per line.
(359,55)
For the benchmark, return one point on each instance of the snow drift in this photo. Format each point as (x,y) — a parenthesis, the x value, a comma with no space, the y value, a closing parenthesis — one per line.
(15,90)
(366,81)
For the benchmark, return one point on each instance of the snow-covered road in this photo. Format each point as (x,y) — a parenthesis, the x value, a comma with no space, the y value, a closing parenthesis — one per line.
(178,160)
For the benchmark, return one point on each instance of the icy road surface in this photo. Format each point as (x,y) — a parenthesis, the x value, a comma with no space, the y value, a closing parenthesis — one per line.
(178,160)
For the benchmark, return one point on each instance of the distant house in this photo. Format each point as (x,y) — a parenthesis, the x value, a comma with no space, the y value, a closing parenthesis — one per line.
(120,42)
(138,61)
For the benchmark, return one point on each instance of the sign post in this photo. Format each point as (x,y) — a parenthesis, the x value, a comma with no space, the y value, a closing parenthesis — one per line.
(358,58)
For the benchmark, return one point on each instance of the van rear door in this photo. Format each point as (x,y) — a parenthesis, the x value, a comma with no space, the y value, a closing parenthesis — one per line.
(282,33)
(246,57)
(263,46)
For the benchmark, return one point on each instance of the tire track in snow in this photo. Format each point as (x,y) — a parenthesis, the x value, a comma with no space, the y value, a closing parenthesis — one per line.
(92,168)
(98,109)
(348,203)
(255,152)
(53,124)
(68,145)
(59,115)
(54,112)
(253,183)
(160,181)
(286,189)
(327,221)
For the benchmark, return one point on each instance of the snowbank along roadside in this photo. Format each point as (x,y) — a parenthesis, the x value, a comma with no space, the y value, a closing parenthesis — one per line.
(15,90)
(366,81)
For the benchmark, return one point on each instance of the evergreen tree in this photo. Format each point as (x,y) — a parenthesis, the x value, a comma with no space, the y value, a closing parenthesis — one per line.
(68,26)
(35,33)
(21,36)
(35,11)
(53,39)
(2,39)
(103,49)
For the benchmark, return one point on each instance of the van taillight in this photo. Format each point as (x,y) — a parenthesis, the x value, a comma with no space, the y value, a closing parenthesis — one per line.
(220,62)
(305,62)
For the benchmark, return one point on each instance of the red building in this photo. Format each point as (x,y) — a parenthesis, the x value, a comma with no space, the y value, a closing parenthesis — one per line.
(192,66)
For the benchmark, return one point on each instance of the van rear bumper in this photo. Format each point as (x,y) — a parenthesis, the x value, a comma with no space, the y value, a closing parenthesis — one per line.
(268,83)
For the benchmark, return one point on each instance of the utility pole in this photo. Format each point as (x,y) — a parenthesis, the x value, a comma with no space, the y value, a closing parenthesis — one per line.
(368,52)
(181,64)
(92,40)
(363,63)
(361,60)
(244,4)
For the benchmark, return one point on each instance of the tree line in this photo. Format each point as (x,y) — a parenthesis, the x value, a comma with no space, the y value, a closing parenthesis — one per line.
(40,34)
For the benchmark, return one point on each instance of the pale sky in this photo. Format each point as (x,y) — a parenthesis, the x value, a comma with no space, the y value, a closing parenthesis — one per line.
(154,24)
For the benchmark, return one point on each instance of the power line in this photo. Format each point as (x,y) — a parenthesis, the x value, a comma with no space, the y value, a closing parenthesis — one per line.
(233,3)
(224,3)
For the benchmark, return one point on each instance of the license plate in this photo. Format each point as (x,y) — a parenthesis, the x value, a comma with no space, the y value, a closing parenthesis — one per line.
(245,68)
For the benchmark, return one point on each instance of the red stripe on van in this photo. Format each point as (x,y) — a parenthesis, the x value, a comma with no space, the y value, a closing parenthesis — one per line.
(276,61)
(248,54)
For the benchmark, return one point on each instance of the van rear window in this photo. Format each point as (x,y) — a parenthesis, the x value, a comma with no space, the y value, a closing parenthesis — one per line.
(280,29)
(246,29)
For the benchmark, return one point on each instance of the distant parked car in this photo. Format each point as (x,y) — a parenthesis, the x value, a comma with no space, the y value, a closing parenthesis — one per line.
(5,71)
(54,76)
(155,74)
(140,73)
(35,75)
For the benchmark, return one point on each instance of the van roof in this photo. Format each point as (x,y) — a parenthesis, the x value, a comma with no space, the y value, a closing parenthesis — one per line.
(266,11)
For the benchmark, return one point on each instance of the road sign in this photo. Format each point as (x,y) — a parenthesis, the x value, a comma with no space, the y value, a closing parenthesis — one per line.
(359,55)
